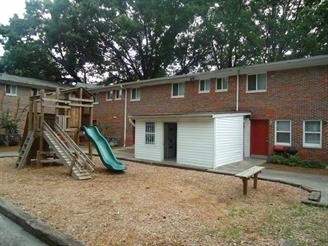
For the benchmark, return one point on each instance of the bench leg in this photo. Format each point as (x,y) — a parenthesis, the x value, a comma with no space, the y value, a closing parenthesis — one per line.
(245,186)
(255,181)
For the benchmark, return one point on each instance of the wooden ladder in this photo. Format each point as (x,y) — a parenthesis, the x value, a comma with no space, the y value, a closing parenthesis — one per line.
(25,149)
(67,153)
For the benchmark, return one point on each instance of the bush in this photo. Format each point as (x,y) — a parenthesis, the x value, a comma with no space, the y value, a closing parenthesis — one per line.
(295,161)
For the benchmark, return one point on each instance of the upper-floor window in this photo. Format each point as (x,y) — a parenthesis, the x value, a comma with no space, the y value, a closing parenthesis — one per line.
(135,94)
(150,133)
(257,82)
(283,132)
(204,86)
(36,92)
(312,133)
(114,94)
(11,90)
(178,89)
(95,98)
(221,84)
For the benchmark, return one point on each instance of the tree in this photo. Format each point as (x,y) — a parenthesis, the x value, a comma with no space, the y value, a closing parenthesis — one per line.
(25,56)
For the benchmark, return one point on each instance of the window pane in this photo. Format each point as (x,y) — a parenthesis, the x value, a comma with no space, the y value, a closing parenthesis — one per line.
(283,137)
(283,126)
(181,89)
(219,84)
(312,126)
(261,81)
(312,138)
(224,83)
(251,84)
(178,89)
(175,89)
(8,91)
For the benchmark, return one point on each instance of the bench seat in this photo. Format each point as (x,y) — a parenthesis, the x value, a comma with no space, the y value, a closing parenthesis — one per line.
(247,174)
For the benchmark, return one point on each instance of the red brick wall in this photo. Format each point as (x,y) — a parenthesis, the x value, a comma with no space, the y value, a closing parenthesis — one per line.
(296,95)
(15,104)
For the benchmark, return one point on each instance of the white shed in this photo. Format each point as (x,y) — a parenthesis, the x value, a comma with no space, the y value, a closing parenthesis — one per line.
(203,140)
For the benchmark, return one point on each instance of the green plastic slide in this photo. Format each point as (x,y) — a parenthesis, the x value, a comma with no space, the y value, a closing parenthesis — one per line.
(104,150)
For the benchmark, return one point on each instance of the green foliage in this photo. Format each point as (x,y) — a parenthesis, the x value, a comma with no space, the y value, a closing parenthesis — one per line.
(7,122)
(295,160)
(142,39)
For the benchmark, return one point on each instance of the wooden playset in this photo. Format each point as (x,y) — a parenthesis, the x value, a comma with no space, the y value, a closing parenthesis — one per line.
(52,131)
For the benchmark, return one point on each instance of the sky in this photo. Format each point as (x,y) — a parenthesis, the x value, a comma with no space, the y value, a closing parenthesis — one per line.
(7,9)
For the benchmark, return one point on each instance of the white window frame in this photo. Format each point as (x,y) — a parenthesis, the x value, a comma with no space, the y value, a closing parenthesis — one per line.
(312,145)
(221,81)
(109,95)
(114,95)
(206,86)
(276,132)
(150,132)
(96,98)
(117,94)
(37,90)
(136,94)
(12,90)
(182,84)
(257,83)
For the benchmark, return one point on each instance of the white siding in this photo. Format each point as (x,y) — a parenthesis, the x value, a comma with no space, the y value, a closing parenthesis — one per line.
(229,140)
(195,143)
(153,152)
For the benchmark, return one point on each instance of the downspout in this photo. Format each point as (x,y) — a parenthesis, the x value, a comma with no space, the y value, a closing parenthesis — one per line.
(237,92)
(125,114)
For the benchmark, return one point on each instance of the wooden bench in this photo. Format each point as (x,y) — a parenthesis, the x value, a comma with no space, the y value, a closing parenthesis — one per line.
(247,174)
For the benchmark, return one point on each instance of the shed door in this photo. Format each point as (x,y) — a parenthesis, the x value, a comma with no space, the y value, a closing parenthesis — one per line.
(259,137)
(170,140)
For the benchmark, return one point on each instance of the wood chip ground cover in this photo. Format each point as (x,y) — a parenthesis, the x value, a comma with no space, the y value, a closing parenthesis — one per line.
(152,205)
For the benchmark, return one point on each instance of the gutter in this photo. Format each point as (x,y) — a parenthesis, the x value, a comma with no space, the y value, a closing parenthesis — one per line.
(237,92)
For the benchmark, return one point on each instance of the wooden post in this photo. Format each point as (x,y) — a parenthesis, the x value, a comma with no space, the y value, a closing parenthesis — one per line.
(255,180)
(39,155)
(245,181)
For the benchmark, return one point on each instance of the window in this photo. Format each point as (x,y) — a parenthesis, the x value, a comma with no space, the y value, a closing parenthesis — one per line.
(150,133)
(95,98)
(204,86)
(257,83)
(221,84)
(178,89)
(114,94)
(312,133)
(283,132)
(109,95)
(35,92)
(11,90)
(135,94)
(117,94)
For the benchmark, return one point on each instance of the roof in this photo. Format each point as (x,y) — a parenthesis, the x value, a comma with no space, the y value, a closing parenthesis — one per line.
(28,82)
(191,115)
(252,69)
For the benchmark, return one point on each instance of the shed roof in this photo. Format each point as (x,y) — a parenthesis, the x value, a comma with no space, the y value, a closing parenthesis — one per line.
(190,115)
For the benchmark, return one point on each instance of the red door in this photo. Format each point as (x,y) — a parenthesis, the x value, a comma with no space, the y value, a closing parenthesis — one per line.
(259,137)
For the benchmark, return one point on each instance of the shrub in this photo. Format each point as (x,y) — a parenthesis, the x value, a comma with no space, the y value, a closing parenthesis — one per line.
(295,161)
(313,163)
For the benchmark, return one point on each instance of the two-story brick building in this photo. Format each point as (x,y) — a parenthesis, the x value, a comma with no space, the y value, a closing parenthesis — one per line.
(15,92)
(214,118)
